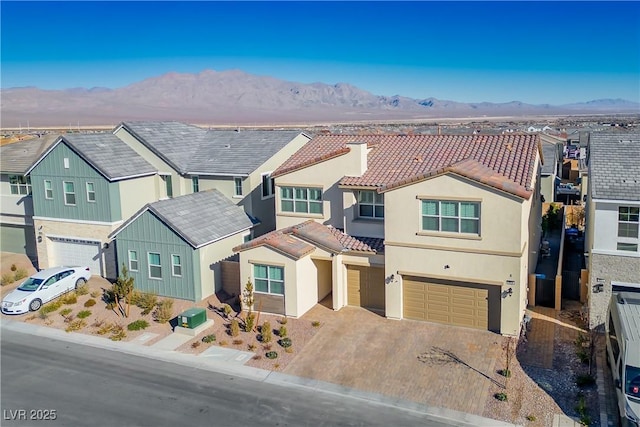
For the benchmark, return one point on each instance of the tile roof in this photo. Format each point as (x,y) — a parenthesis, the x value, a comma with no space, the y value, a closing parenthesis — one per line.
(18,157)
(194,150)
(199,218)
(614,166)
(400,159)
(300,240)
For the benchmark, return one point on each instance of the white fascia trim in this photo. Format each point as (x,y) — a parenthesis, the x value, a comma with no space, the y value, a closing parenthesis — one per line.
(627,254)
(244,175)
(133,176)
(25,224)
(223,237)
(76,221)
(617,202)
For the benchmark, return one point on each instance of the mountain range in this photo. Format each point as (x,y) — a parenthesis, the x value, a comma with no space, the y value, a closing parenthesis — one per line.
(238,98)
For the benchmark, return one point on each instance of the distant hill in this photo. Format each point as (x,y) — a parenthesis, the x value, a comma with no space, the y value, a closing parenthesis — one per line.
(235,97)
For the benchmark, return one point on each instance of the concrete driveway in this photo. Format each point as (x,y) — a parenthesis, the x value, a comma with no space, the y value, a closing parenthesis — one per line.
(428,363)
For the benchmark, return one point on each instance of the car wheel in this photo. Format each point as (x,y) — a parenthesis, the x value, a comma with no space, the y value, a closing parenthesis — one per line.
(80,282)
(35,305)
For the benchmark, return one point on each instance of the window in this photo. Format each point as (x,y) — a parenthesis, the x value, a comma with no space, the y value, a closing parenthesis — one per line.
(269,279)
(237,184)
(155,268)
(195,183)
(20,184)
(133,260)
(370,204)
(176,266)
(69,193)
(91,192)
(48,190)
(246,238)
(65,161)
(167,185)
(268,185)
(628,221)
(450,216)
(300,199)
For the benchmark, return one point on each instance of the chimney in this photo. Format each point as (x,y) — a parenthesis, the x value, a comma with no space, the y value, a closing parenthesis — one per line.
(357,158)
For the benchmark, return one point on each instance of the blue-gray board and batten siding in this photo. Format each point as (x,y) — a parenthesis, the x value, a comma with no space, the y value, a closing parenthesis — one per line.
(148,234)
(106,207)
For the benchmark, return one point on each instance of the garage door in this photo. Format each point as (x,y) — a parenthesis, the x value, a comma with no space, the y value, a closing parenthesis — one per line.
(365,286)
(69,251)
(452,304)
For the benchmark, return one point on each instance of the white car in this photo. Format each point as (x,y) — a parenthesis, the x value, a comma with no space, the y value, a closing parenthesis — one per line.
(44,286)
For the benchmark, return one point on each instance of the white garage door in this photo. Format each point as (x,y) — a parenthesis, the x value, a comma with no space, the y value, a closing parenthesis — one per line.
(72,252)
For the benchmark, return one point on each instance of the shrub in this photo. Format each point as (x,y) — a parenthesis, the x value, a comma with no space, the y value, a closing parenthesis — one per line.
(138,325)
(531,418)
(265,332)
(90,303)
(251,347)
(237,342)
(583,355)
(118,333)
(76,325)
(288,350)
(271,354)
(83,289)
(42,315)
(282,332)
(226,309)
(585,380)
(283,321)
(267,347)
(276,365)
(234,328)
(195,344)
(65,312)
(94,294)
(285,342)
(70,298)
(249,322)
(111,305)
(13,267)
(501,396)
(69,318)
(315,323)
(146,301)
(505,373)
(6,279)
(164,311)
(51,307)
(84,314)
(223,343)
(97,323)
(209,338)
(257,357)
(105,329)
(21,273)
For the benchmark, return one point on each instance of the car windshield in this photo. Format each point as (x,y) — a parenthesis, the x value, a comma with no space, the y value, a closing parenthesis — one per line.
(632,381)
(30,284)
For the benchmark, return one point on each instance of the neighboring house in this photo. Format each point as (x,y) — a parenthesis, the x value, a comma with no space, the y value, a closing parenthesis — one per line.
(16,206)
(83,187)
(238,163)
(612,241)
(441,228)
(552,166)
(173,247)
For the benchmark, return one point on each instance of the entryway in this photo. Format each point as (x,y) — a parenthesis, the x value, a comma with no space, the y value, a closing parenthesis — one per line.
(365,287)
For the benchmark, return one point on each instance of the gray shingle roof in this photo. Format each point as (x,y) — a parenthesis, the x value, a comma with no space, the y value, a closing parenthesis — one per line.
(199,218)
(190,149)
(614,166)
(19,156)
(550,154)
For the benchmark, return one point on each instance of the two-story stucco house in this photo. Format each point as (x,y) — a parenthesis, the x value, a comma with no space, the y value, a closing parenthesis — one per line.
(612,242)
(441,228)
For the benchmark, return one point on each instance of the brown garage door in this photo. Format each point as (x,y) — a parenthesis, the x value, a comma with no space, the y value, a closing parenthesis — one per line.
(365,286)
(452,304)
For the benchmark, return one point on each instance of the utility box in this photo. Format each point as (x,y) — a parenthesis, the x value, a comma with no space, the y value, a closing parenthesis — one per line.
(192,318)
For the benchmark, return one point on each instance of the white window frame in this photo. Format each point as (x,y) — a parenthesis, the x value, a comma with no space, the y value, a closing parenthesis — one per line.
(195,184)
(247,237)
(271,188)
(89,192)
(295,199)
(48,189)
(628,243)
(268,279)
(378,201)
(20,185)
(65,162)
(174,265)
(458,217)
(66,193)
(237,186)
(149,265)
(132,260)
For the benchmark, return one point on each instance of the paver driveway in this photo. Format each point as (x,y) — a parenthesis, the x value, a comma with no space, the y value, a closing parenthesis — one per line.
(428,363)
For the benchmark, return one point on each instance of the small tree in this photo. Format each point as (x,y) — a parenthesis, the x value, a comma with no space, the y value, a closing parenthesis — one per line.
(247,296)
(265,332)
(123,288)
(234,328)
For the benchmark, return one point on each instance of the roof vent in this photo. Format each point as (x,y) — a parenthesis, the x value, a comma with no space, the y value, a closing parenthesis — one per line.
(227,145)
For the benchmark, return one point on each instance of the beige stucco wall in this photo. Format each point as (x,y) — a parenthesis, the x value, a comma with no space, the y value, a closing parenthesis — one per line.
(355,226)
(210,269)
(548,187)
(14,208)
(135,193)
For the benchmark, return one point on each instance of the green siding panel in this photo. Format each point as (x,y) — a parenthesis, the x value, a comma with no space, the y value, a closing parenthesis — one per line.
(148,234)
(19,239)
(106,208)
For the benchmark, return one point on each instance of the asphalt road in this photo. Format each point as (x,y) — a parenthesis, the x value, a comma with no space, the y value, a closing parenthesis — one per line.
(88,386)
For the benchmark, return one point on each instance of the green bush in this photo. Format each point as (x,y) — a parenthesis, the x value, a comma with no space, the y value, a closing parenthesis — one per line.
(117,333)
(531,418)
(76,325)
(164,311)
(65,312)
(285,342)
(271,354)
(82,289)
(209,338)
(145,300)
(249,322)
(501,396)
(21,273)
(315,323)
(138,325)
(6,279)
(51,307)
(84,314)
(505,373)
(265,332)
(234,328)
(226,309)
(90,303)
(70,298)
(282,332)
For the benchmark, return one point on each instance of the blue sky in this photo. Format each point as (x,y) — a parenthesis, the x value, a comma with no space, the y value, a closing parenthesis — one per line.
(535,52)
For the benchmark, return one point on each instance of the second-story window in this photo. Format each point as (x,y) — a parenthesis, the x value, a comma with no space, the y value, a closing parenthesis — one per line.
(301,200)
(91,192)
(370,204)
(48,190)
(628,225)
(195,183)
(268,185)
(69,193)
(20,184)
(451,216)
(237,184)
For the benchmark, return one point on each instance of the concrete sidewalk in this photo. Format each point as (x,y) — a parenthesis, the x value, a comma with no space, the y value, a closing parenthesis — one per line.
(237,368)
